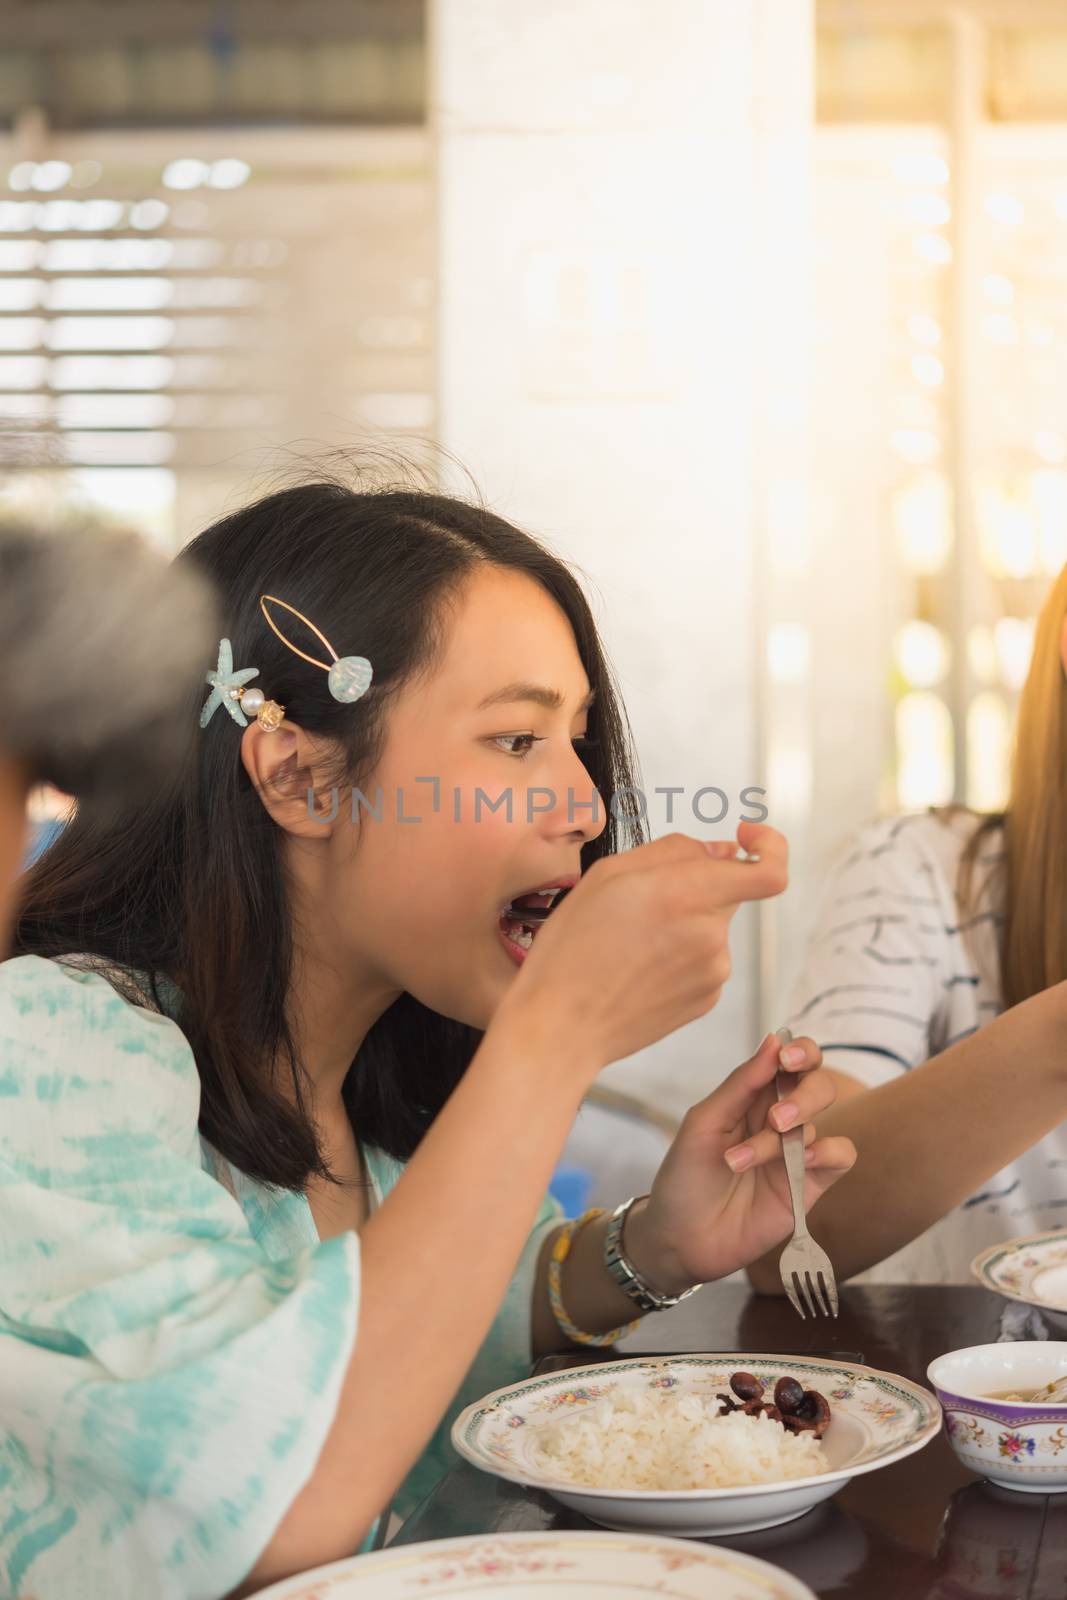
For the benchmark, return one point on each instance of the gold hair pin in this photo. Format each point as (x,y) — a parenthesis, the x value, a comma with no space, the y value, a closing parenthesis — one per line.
(349,677)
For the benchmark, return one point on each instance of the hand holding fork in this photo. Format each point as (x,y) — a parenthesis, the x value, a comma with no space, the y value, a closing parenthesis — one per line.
(805,1267)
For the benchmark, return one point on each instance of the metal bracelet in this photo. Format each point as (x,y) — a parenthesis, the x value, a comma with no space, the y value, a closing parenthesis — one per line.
(624,1272)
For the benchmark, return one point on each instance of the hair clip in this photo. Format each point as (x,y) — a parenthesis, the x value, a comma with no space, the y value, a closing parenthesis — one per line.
(228,689)
(349,677)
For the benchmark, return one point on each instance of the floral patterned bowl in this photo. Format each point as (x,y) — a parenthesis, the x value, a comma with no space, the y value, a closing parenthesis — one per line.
(528,1566)
(876,1418)
(1013,1443)
(1032,1270)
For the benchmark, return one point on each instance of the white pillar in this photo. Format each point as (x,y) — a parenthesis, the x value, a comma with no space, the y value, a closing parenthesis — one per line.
(606,169)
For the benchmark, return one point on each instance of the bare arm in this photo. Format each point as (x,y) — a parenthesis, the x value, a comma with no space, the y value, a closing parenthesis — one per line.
(503,1129)
(1000,1091)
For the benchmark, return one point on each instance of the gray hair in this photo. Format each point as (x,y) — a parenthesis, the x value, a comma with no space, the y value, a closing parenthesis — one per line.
(101,646)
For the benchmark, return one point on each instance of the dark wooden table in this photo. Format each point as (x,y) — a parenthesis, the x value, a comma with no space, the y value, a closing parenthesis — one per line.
(921,1529)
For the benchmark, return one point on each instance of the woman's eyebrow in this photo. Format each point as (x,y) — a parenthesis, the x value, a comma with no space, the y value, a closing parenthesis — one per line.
(551,699)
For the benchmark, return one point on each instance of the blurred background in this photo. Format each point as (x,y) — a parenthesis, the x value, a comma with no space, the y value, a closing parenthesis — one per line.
(753,308)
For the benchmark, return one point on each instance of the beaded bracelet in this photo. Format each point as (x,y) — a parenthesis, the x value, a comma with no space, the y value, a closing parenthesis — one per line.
(560,1251)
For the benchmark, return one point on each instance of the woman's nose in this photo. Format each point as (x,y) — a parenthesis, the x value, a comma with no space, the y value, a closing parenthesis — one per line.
(580,806)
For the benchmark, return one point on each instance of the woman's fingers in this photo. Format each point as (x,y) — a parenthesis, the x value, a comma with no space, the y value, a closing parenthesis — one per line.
(806,1099)
(762,1148)
(731,1101)
(747,1096)
(765,875)
(800,1055)
(811,1095)
(739,1095)
(831,1157)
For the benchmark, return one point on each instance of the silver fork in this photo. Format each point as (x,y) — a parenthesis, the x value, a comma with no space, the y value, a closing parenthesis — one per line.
(805,1267)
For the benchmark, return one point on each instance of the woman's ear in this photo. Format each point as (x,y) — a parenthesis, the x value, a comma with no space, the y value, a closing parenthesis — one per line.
(287,774)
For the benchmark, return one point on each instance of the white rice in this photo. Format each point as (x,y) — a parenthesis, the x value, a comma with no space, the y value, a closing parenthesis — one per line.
(636,1440)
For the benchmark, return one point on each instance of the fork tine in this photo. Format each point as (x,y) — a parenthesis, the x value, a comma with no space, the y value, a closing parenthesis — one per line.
(792,1296)
(817,1290)
(810,1298)
(801,1286)
(829,1288)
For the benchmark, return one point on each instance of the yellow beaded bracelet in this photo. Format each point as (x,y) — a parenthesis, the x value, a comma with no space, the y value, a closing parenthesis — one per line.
(560,1251)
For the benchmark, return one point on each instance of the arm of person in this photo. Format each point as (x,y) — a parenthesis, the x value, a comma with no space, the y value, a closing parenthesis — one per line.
(712,1208)
(458,1256)
(928,1139)
(871,985)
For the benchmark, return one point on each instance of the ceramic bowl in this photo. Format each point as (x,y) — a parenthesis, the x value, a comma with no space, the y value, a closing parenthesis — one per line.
(876,1418)
(1012,1443)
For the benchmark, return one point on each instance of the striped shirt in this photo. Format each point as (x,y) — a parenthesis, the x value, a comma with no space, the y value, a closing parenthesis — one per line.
(896,971)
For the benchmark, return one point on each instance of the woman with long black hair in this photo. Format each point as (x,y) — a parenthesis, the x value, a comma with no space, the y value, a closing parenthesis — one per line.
(288,1054)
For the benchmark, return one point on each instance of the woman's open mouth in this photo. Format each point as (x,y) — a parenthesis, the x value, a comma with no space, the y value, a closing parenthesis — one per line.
(524,913)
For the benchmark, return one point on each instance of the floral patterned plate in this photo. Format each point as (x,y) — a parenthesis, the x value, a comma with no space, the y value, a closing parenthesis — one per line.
(1033,1271)
(523,1566)
(876,1418)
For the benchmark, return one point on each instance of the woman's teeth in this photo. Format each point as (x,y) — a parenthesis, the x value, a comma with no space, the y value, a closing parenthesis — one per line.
(519,932)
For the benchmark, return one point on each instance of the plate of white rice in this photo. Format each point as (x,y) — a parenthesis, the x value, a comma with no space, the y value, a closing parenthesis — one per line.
(640,1444)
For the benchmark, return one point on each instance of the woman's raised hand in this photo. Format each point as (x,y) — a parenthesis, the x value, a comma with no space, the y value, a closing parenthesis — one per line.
(640,945)
(721,1197)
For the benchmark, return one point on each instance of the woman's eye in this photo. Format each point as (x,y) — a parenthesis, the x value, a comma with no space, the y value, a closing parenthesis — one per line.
(528,740)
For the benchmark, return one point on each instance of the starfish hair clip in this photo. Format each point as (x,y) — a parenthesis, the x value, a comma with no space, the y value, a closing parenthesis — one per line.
(229,689)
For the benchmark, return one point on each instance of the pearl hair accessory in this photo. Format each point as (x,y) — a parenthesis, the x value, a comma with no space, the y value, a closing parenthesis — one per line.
(349,677)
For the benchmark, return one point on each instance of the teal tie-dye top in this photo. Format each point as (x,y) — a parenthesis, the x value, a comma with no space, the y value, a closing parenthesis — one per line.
(173,1335)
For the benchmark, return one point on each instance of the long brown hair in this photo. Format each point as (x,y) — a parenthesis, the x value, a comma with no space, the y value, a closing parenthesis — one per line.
(1032,881)
(191,886)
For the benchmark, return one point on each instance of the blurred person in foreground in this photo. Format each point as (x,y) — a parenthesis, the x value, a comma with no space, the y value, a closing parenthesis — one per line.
(100,641)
